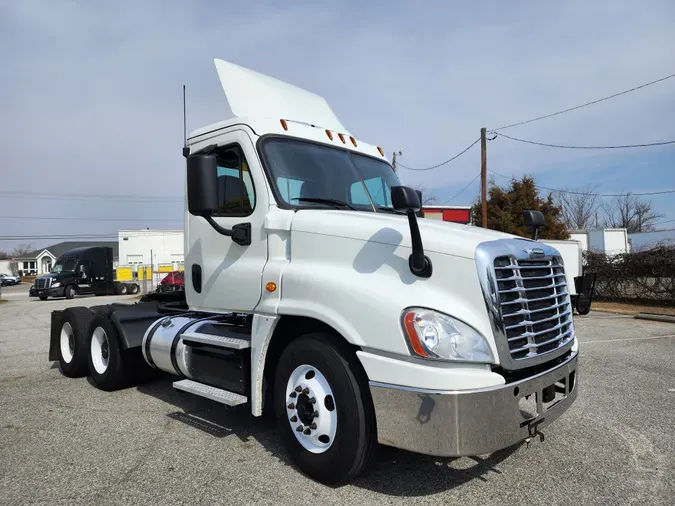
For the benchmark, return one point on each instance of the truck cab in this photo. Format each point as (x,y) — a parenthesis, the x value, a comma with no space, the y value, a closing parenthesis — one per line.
(313,291)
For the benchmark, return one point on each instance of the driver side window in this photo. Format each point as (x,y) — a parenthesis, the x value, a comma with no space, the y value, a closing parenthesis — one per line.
(236,194)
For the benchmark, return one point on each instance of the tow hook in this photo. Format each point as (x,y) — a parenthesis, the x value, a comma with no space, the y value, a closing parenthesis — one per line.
(534,432)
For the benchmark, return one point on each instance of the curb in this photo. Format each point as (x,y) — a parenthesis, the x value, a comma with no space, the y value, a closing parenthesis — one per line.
(655,317)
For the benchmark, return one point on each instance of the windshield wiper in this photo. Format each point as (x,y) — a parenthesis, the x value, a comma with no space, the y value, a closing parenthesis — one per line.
(388,210)
(338,204)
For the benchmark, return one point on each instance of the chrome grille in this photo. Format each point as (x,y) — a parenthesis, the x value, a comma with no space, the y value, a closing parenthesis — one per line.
(43,282)
(536,314)
(526,297)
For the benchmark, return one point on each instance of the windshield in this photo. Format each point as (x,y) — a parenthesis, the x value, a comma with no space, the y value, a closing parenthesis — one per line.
(64,265)
(314,175)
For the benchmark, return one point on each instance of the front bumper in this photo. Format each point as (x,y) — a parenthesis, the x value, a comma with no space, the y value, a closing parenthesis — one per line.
(41,292)
(470,422)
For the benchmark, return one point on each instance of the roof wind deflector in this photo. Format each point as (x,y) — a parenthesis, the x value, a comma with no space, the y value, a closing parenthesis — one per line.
(256,95)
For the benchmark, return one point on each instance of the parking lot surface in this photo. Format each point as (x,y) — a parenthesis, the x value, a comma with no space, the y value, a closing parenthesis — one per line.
(62,441)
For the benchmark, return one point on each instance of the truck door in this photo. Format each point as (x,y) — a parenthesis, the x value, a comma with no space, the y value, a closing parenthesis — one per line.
(221,275)
(84,277)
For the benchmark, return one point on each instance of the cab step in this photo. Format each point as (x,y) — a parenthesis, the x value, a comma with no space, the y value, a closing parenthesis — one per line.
(234,343)
(209,392)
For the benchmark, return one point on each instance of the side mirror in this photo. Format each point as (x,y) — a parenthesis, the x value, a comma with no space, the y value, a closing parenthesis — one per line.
(202,190)
(408,200)
(420,213)
(534,220)
(405,199)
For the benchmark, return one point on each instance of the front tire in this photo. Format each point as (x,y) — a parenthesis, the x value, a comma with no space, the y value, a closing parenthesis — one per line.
(324,410)
(69,292)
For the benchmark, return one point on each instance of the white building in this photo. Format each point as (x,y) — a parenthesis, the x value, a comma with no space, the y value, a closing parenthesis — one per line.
(137,246)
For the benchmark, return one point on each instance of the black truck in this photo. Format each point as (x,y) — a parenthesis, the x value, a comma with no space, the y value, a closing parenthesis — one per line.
(80,271)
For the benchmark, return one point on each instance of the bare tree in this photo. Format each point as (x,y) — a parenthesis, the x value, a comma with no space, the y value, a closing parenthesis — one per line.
(629,212)
(579,206)
(428,197)
(18,252)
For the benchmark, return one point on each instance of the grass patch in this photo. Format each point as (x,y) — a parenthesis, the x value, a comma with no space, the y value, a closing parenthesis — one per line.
(631,309)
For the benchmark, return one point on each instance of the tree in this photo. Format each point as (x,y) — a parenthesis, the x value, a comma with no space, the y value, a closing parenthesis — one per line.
(18,252)
(427,197)
(506,205)
(629,212)
(579,206)
(4,255)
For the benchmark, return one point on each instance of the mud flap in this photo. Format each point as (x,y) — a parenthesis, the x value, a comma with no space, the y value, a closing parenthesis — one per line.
(54,331)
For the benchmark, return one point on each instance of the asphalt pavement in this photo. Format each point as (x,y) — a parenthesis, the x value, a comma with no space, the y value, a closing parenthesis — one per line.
(62,441)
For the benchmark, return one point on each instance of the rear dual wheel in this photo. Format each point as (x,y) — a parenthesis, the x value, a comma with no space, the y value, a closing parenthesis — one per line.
(72,341)
(111,367)
(324,410)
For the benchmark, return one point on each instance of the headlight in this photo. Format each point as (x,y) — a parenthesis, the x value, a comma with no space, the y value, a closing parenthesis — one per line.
(438,336)
(56,285)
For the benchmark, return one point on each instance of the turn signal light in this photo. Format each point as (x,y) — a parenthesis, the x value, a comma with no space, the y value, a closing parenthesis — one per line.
(271,286)
(409,323)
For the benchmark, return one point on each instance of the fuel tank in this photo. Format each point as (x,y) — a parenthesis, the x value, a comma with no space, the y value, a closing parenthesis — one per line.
(163,346)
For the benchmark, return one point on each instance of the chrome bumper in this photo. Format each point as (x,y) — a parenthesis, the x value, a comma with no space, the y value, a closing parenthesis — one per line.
(470,422)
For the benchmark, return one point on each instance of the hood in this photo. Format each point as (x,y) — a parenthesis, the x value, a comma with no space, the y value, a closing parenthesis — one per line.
(437,236)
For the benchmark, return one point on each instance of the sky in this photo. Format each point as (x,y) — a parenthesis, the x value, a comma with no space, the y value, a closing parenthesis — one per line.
(91,125)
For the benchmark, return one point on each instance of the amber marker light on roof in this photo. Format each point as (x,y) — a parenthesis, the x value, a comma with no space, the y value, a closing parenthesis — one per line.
(342,138)
(284,124)
(380,150)
(329,134)
(353,140)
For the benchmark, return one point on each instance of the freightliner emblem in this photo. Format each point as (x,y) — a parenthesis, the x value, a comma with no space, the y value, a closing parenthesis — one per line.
(536,253)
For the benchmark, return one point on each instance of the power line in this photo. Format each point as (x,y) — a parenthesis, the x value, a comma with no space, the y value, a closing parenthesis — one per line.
(663,143)
(19,194)
(663,192)
(65,237)
(399,164)
(584,105)
(86,218)
(463,189)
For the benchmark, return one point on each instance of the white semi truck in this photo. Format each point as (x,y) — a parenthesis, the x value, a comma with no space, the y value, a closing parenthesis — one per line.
(312,291)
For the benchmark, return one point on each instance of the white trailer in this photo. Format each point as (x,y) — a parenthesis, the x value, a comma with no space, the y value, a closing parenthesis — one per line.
(611,241)
(312,290)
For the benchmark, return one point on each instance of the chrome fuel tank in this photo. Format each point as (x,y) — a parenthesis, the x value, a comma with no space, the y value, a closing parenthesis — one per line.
(163,346)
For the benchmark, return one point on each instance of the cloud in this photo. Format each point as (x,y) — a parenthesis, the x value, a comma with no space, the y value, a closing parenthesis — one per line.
(91,92)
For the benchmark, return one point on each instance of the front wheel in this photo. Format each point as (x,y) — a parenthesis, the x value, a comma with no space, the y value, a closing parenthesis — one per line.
(69,292)
(324,410)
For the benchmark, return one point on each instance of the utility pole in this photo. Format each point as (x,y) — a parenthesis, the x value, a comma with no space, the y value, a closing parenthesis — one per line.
(393,161)
(483,176)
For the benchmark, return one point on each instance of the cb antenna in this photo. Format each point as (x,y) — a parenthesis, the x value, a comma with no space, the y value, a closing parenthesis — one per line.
(186,150)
